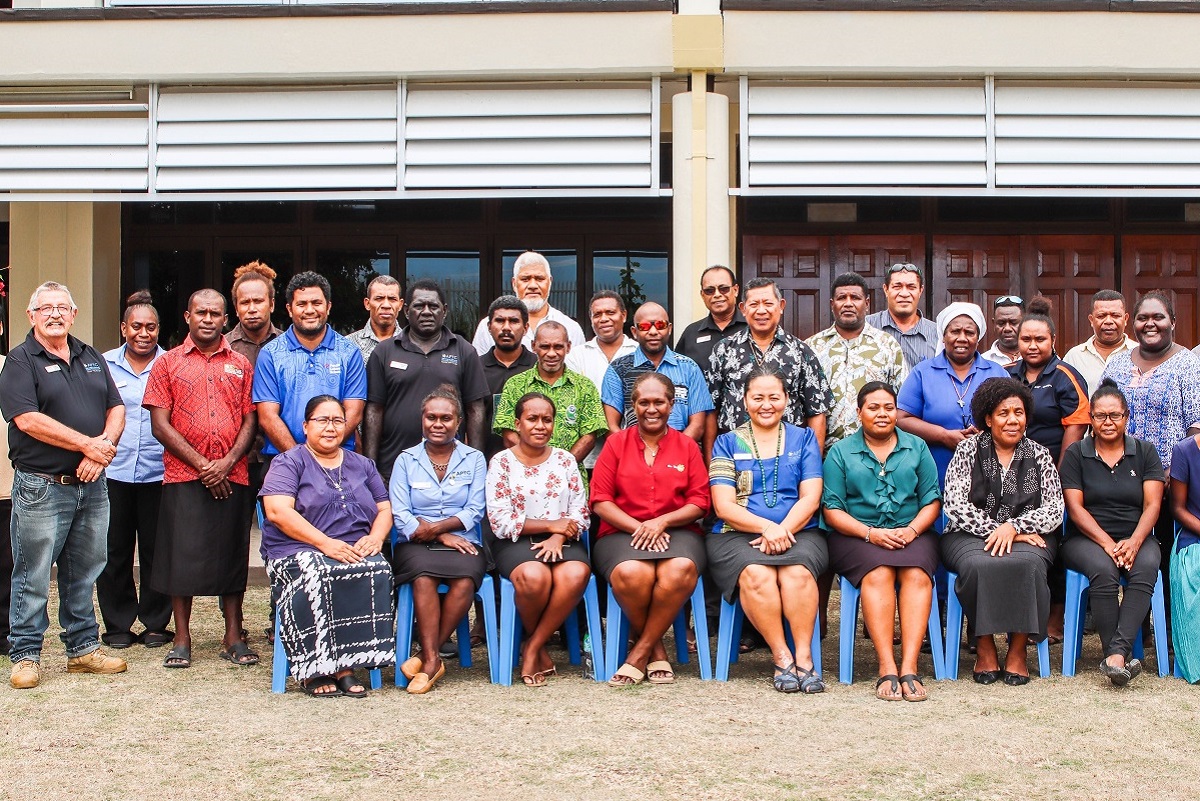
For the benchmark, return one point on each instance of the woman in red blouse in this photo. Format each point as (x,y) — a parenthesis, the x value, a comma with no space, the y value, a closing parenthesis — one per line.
(649,489)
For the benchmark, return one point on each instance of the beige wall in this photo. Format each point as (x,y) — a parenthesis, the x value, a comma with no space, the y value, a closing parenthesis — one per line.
(78,244)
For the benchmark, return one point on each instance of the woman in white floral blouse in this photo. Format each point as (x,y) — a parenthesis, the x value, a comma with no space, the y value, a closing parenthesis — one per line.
(538,510)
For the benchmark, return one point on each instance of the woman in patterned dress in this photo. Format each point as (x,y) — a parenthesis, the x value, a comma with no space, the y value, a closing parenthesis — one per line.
(538,510)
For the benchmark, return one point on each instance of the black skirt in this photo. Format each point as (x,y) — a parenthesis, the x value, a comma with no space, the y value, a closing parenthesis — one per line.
(509,554)
(613,549)
(411,560)
(203,545)
(729,554)
(853,558)
(1001,594)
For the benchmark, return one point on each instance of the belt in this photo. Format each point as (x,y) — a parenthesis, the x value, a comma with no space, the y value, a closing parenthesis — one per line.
(58,479)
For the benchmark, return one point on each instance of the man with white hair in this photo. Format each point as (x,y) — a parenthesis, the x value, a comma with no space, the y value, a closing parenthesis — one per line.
(65,415)
(531,282)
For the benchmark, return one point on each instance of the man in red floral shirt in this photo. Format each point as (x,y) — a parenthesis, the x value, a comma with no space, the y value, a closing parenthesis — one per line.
(198,395)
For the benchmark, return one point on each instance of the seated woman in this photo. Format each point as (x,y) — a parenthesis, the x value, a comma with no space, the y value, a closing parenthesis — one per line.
(881,496)
(1113,488)
(538,512)
(649,547)
(437,492)
(327,514)
(766,489)
(1185,564)
(1004,511)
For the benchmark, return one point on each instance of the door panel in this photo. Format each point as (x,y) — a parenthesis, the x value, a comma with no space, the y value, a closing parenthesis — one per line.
(802,267)
(1068,270)
(1168,263)
(975,269)
(871,255)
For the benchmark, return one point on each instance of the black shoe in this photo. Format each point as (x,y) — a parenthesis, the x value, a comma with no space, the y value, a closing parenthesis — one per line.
(1015,679)
(1119,676)
(118,640)
(986,676)
(448,650)
(1134,666)
(5,648)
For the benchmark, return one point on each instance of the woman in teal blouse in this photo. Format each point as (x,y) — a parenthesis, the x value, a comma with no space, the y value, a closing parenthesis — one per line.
(881,499)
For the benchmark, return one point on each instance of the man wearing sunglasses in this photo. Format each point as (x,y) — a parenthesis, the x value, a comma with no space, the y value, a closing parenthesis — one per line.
(693,403)
(1007,313)
(918,336)
(719,291)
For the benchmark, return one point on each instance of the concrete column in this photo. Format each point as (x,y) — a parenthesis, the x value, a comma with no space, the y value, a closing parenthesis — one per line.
(77,244)
(701,182)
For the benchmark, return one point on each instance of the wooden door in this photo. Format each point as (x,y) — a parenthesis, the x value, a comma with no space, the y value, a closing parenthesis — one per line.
(870,255)
(1068,270)
(975,269)
(802,267)
(1168,263)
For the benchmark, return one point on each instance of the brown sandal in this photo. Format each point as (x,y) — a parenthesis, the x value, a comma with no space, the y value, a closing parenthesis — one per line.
(534,679)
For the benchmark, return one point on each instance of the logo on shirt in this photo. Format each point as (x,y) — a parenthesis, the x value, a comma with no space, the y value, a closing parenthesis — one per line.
(678,467)
(1133,473)
(450,358)
(234,370)
(571,415)
(334,368)
(681,394)
(91,367)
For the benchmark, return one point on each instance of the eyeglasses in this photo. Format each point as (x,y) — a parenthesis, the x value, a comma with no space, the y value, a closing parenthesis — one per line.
(49,311)
(1114,417)
(657,325)
(1008,300)
(902,268)
(325,422)
(723,289)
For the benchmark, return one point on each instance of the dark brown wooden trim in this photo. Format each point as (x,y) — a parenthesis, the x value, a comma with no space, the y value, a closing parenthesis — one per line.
(1155,6)
(348,10)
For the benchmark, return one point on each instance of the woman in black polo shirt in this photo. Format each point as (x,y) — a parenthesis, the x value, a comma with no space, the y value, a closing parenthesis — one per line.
(1113,489)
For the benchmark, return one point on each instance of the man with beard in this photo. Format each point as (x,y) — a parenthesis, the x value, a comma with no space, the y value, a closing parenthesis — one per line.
(410,365)
(608,315)
(309,359)
(719,291)
(693,403)
(1007,313)
(507,321)
(531,281)
(383,306)
(1108,319)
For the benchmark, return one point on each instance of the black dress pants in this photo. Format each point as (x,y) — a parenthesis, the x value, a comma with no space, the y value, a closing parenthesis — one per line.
(133,520)
(1116,623)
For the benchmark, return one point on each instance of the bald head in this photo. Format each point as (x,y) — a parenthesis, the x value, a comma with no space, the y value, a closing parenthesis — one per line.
(652,329)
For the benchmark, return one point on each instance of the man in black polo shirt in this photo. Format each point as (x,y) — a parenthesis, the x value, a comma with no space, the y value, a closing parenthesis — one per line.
(507,321)
(64,414)
(404,369)
(719,291)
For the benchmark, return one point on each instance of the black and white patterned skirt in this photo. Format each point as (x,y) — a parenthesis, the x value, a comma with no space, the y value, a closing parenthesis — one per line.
(334,616)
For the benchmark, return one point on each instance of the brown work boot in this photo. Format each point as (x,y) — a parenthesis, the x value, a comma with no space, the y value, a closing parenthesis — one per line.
(25,675)
(96,662)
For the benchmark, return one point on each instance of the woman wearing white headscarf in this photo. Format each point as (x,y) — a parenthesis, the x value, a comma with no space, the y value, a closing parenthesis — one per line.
(935,401)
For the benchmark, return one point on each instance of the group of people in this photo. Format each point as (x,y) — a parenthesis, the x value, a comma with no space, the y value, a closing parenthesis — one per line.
(886,448)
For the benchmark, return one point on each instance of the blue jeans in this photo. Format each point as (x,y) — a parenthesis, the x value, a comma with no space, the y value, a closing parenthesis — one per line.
(64,524)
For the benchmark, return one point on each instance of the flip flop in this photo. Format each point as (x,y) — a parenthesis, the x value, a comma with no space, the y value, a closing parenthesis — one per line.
(319,683)
(893,692)
(627,671)
(347,684)
(660,667)
(240,654)
(911,688)
(156,639)
(178,657)
(411,667)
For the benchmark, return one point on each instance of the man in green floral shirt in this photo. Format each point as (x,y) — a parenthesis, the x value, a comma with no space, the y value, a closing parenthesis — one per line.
(853,354)
(579,415)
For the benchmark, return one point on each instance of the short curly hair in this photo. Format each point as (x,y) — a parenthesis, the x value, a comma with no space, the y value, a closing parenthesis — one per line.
(992,393)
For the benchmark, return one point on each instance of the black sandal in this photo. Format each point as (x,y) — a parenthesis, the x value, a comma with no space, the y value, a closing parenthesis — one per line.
(320,683)
(893,682)
(908,687)
(178,657)
(787,681)
(347,684)
(811,682)
(240,654)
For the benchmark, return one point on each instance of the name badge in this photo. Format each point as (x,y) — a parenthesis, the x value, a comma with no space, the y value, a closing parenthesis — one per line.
(399,365)
(334,368)
(229,368)
(53,368)
(743,456)
(121,384)
(704,338)
(421,485)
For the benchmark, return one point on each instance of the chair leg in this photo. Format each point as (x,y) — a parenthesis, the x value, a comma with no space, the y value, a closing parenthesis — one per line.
(376,676)
(591,608)
(816,643)
(404,629)
(508,633)
(1158,618)
(487,596)
(699,615)
(1044,658)
(954,624)
(463,633)
(727,632)
(1077,585)
(681,629)
(279,661)
(574,645)
(937,647)
(846,630)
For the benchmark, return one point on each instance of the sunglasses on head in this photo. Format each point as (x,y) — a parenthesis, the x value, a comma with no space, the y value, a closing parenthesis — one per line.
(903,268)
(657,325)
(1007,300)
(723,289)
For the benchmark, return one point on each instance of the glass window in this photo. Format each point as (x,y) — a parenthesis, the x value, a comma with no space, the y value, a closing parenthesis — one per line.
(635,275)
(242,212)
(564,270)
(457,272)
(171,276)
(349,272)
(281,261)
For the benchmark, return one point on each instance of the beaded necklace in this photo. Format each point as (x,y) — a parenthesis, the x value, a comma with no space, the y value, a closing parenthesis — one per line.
(772,499)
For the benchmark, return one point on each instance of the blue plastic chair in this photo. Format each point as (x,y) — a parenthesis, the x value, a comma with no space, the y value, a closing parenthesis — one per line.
(729,632)
(954,626)
(404,629)
(849,627)
(511,629)
(617,633)
(1077,590)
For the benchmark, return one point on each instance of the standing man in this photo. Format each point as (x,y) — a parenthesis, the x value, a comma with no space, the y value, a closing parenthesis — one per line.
(608,315)
(693,403)
(764,341)
(383,306)
(852,354)
(918,337)
(65,416)
(310,359)
(200,409)
(507,321)
(578,415)
(410,365)
(254,303)
(1007,313)
(719,291)
(1108,319)
(531,282)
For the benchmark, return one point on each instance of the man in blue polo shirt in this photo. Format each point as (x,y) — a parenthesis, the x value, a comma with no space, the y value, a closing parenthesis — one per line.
(693,402)
(310,359)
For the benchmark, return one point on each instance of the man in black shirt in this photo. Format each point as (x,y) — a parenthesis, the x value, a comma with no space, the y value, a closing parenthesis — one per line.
(65,416)
(719,291)
(507,321)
